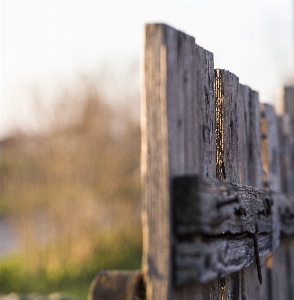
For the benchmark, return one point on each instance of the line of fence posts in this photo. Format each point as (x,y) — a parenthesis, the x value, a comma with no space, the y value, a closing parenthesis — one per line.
(197,120)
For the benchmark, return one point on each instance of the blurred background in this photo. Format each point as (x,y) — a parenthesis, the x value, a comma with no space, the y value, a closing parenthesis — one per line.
(70,124)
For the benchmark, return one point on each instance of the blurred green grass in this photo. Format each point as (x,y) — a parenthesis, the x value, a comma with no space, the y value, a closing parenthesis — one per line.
(71,194)
(73,280)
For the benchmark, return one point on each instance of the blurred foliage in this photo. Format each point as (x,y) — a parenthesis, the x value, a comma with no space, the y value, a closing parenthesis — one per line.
(72,194)
(117,251)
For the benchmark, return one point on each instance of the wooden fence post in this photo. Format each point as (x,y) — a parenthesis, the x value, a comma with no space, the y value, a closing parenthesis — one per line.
(282,262)
(289,153)
(196,228)
(180,136)
(227,161)
(177,138)
(279,169)
(250,169)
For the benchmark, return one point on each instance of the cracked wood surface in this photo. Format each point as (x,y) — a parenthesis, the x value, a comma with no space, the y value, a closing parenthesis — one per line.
(211,207)
(178,138)
(215,221)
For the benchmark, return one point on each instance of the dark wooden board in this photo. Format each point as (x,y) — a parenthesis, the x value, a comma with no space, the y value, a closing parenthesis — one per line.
(213,239)
(203,259)
(211,207)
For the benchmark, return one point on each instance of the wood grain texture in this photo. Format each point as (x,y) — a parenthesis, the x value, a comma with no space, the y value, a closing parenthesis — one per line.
(274,168)
(154,164)
(177,138)
(207,218)
(282,266)
(180,136)
(211,207)
(288,131)
(204,259)
(251,288)
(231,285)
(277,267)
(289,161)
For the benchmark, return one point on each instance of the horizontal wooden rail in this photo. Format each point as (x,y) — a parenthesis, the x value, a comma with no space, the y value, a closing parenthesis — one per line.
(222,227)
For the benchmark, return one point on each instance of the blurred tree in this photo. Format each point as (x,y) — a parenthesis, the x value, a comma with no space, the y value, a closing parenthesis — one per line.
(69,185)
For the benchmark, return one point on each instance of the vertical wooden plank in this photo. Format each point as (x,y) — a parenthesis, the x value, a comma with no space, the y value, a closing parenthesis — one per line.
(277,267)
(188,62)
(207,125)
(274,170)
(227,85)
(230,160)
(254,142)
(272,166)
(199,144)
(156,232)
(205,99)
(285,152)
(288,101)
(266,289)
(243,133)
(287,127)
(282,258)
(289,109)
(177,138)
(251,288)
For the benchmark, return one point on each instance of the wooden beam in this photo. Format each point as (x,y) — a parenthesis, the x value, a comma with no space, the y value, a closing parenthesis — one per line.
(215,222)
(211,207)
(203,259)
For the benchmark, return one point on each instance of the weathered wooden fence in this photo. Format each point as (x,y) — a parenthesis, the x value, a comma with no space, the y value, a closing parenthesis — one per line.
(217,175)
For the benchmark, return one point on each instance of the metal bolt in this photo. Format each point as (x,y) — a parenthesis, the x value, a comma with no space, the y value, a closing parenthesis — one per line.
(241,211)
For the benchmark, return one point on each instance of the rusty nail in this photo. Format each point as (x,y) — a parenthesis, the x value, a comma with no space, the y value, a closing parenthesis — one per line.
(233,200)
(256,250)
(241,211)
(268,204)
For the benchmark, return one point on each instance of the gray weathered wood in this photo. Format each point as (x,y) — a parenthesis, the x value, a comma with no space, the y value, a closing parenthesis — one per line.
(282,270)
(289,104)
(254,142)
(198,210)
(206,258)
(231,285)
(177,138)
(211,207)
(155,160)
(251,288)
(276,264)
(288,101)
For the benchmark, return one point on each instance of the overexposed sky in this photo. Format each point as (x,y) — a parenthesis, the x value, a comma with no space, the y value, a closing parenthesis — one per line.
(45,42)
